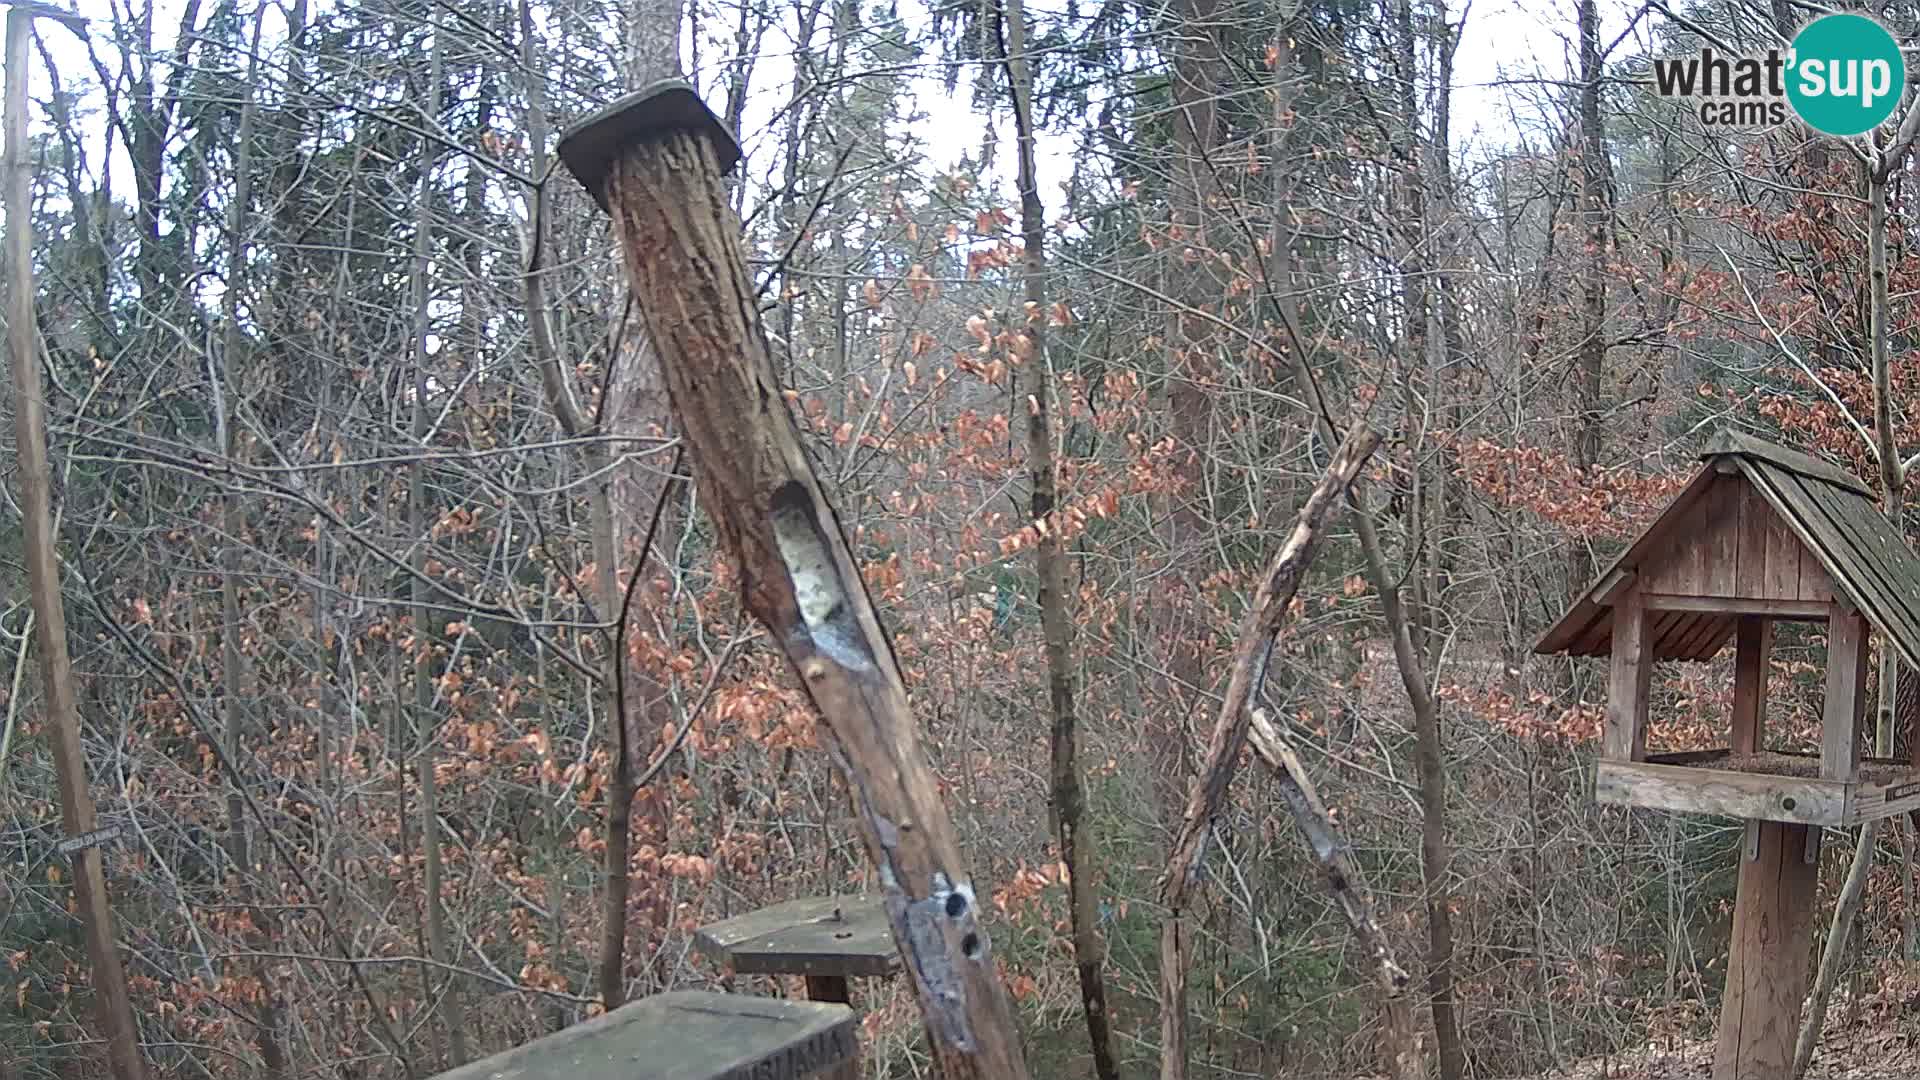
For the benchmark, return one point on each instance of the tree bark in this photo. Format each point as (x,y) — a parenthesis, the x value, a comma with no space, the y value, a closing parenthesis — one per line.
(1590,365)
(1050,565)
(1251,653)
(1196,78)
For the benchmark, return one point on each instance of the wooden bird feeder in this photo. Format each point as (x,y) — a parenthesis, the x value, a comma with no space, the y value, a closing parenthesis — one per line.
(685,1035)
(825,939)
(1760,535)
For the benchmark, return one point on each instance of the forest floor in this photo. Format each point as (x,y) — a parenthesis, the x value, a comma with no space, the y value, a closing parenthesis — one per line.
(1873,1049)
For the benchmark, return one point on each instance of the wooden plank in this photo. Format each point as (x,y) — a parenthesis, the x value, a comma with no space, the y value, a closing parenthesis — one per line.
(1816,585)
(1728,441)
(1720,541)
(1871,802)
(1849,546)
(1753,647)
(1783,555)
(1845,697)
(1688,757)
(1885,550)
(685,1035)
(1696,638)
(1646,549)
(814,936)
(1629,679)
(1706,641)
(1810,610)
(1685,625)
(1684,788)
(1755,520)
(1881,573)
(1782,492)
(834,989)
(1767,958)
(1596,639)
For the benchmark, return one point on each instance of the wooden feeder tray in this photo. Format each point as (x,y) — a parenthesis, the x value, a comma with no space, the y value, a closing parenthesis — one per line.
(818,936)
(1765,786)
(684,1035)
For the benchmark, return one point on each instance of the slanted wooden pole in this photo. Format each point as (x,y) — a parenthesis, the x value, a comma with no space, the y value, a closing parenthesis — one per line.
(1767,959)
(111,1006)
(655,160)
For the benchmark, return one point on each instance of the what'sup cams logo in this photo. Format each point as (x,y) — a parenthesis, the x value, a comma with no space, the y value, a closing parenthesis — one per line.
(1843,75)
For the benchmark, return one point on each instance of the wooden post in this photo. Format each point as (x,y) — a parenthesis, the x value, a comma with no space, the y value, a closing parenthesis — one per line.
(1629,679)
(1767,959)
(834,989)
(43,571)
(655,160)
(1846,695)
(1753,648)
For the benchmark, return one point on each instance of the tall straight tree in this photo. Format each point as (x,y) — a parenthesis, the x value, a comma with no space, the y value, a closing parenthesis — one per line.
(43,568)
(447,1011)
(1055,588)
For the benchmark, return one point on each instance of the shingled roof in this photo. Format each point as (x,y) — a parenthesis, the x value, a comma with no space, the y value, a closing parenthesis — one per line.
(1831,512)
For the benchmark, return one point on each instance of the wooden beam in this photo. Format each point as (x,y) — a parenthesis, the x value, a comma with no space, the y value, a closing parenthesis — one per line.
(1630,678)
(1808,610)
(693,1034)
(1846,695)
(1722,792)
(687,270)
(1753,647)
(1608,588)
(1767,961)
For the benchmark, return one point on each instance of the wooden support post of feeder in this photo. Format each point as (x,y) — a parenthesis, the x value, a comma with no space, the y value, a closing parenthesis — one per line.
(655,161)
(827,940)
(687,1035)
(1767,956)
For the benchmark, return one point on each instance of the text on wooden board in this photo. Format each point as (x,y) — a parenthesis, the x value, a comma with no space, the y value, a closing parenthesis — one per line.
(800,1060)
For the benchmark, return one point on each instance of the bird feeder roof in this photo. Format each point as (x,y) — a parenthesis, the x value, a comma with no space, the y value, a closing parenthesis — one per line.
(1829,511)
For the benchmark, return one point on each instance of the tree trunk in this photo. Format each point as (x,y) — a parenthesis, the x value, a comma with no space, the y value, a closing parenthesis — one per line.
(1832,958)
(1428,757)
(1196,78)
(1050,566)
(1591,363)
(110,1001)
(446,1009)
(222,383)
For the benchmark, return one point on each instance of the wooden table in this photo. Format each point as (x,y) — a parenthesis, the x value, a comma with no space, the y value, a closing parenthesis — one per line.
(685,1035)
(825,939)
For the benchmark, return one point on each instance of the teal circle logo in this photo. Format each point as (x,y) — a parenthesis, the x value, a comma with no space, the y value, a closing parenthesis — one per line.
(1846,74)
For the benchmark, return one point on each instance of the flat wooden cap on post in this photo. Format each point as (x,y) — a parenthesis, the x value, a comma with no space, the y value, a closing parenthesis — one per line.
(656,162)
(589,147)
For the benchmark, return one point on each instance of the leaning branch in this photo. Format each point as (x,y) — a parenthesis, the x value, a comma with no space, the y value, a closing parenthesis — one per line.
(1263,621)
